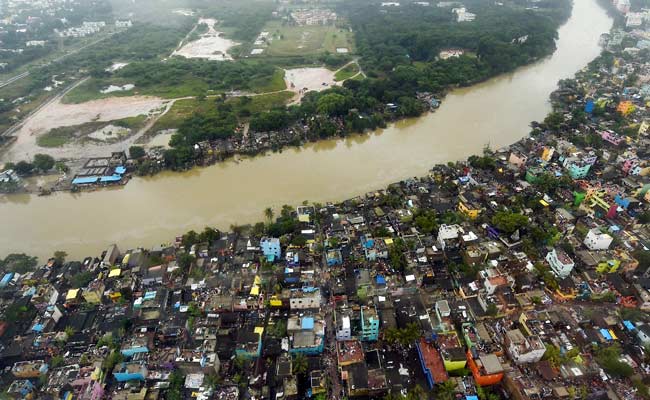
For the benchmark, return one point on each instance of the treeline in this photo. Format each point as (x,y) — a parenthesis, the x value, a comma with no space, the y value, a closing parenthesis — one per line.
(176,71)
(243,18)
(390,37)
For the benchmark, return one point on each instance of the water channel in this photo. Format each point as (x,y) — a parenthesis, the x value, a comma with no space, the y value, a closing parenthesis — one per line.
(150,211)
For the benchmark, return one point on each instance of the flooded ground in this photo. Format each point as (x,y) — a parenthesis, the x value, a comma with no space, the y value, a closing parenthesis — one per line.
(154,210)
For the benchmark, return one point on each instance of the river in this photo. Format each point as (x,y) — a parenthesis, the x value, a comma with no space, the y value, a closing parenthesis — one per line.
(150,211)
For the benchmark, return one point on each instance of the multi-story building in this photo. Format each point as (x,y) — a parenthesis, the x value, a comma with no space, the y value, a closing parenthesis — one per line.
(597,240)
(271,248)
(369,324)
(305,298)
(523,349)
(560,262)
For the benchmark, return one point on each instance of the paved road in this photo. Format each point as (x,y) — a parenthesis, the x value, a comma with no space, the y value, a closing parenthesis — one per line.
(14,79)
(55,60)
(19,124)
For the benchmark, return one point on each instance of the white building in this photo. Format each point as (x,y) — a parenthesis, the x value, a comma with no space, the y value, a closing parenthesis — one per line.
(343,328)
(305,299)
(123,24)
(597,240)
(633,19)
(524,350)
(560,262)
(448,232)
(462,15)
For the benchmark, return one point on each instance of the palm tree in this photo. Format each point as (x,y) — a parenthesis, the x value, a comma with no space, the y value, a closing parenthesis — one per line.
(299,365)
(445,390)
(268,213)
(417,393)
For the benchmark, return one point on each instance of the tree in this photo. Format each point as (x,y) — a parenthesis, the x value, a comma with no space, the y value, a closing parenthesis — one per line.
(43,162)
(59,256)
(299,364)
(185,261)
(189,239)
(492,310)
(396,255)
(446,390)
(509,222)
(609,359)
(69,331)
(56,361)
(426,221)
(136,152)
(268,213)
(23,167)
(332,104)
(18,262)
(176,384)
(209,235)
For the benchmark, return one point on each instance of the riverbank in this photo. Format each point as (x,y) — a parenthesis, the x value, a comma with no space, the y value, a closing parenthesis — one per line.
(152,210)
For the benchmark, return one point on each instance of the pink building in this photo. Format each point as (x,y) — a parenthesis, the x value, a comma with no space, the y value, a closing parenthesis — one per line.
(611,137)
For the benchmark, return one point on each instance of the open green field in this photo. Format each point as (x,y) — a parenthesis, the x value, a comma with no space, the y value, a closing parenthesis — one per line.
(183,109)
(306,40)
(61,136)
(346,72)
(190,86)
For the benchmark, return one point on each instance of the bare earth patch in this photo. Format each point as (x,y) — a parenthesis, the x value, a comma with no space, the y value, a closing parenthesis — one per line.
(57,114)
(303,80)
(211,46)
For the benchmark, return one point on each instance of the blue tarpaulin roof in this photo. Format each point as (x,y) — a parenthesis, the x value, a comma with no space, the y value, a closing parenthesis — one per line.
(606,334)
(380,280)
(307,323)
(629,325)
(120,170)
(112,178)
(472,397)
(84,180)
(6,279)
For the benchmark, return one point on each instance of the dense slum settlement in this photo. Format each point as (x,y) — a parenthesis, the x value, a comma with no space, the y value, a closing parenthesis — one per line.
(522,273)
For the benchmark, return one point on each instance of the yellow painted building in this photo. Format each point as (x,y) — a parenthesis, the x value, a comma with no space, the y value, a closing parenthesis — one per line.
(625,107)
(470,211)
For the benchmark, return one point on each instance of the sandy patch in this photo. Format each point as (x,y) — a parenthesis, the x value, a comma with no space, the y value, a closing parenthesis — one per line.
(116,66)
(307,79)
(211,46)
(161,139)
(57,114)
(109,133)
(113,88)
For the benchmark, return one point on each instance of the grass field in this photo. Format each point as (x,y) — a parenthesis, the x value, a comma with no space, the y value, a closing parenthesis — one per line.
(91,89)
(305,40)
(61,136)
(346,72)
(183,109)
(274,85)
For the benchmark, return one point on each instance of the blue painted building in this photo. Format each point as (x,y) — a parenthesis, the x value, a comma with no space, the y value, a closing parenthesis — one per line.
(271,248)
(369,324)
(133,371)
(249,344)
(334,257)
(134,346)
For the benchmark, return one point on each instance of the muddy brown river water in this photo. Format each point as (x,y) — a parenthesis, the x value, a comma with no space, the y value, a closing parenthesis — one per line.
(150,211)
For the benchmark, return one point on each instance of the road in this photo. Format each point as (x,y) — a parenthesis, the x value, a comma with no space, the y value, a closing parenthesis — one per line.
(17,126)
(14,79)
(57,59)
